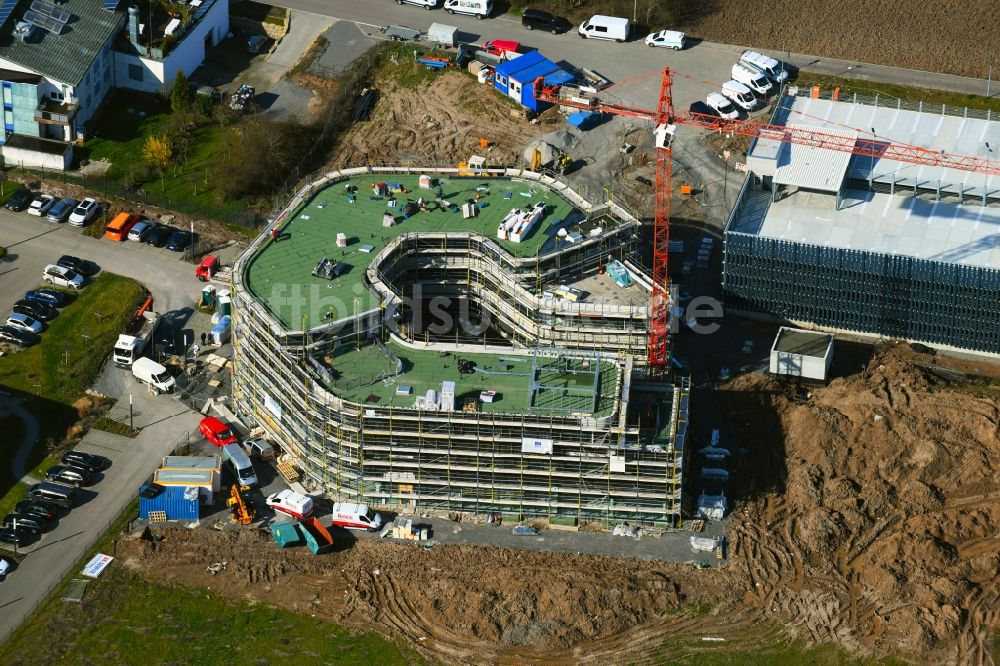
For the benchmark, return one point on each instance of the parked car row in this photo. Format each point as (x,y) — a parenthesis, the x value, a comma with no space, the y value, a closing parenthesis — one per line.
(29,316)
(133,227)
(44,500)
(78,213)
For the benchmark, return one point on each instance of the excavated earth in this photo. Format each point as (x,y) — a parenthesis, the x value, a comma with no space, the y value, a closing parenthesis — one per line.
(870,521)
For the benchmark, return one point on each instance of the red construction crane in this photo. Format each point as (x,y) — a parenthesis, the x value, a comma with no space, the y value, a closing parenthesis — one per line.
(665,119)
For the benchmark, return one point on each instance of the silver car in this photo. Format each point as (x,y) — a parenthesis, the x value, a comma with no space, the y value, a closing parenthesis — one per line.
(24,322)
(140,230)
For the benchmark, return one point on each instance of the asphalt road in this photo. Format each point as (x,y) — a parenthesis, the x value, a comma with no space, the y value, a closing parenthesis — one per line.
(633,66)
(31,243)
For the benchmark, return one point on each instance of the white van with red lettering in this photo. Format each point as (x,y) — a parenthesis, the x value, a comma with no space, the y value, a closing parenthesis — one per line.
(356,517)
(291,503)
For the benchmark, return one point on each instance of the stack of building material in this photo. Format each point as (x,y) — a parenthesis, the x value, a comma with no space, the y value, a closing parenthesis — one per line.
(706,544)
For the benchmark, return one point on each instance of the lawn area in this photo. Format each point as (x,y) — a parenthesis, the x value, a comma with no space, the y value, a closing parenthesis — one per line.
(121,135)
(889,91)
(64,364)
(126,620)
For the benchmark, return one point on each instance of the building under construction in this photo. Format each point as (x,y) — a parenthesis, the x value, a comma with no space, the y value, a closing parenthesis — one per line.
(867,244)
(454,340)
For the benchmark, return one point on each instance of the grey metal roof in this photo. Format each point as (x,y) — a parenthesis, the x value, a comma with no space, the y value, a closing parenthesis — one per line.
(892,224)
(66,57)
(813,168)
(931,129)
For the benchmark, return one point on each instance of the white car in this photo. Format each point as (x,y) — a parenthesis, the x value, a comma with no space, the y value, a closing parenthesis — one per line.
(5,567)
(41,205)
(60,276)
(671,39)
(426,4)
(24,323)
(722,106)
(84,212)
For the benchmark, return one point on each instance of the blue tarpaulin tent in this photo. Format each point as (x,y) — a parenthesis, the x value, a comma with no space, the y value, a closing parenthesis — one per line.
(584,120)
(516,78)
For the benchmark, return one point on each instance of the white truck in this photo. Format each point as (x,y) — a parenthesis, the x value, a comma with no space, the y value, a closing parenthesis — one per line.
(134,341)
(152,374)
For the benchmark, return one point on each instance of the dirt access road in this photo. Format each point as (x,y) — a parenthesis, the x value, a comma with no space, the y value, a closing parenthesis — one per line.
(871,522)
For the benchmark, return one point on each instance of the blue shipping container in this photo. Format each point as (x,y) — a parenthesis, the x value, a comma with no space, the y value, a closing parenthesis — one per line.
(180,503)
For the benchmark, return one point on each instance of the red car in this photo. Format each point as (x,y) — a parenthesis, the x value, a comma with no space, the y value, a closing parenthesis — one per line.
(216,431)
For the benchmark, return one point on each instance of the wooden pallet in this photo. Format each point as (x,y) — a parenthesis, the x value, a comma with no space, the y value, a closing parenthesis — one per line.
(696,525)
(157,516)
(287,470)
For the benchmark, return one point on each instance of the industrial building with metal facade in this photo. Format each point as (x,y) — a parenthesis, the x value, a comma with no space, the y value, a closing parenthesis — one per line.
(409,350)
(868,245)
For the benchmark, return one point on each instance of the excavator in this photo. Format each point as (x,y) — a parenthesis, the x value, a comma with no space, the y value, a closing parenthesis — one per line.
(239,508)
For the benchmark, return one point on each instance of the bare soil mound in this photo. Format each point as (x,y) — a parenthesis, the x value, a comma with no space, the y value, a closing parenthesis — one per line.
(878,526)
(870,520)
(460,604)
(437,123)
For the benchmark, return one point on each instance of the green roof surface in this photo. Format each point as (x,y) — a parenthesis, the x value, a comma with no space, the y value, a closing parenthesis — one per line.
(804,343)
(368,376)
(280,274)
(65,57)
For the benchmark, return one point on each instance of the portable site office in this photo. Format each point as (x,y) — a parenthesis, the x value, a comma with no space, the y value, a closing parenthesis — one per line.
(516,78)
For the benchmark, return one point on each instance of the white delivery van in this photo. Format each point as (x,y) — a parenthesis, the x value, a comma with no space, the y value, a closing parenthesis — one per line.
(670,39)
(752,78)
(722,106)
(771,68)
(478,8)
(240,463)
(605,27)
(740,94)
(154,375)
(356,517)
(291,503)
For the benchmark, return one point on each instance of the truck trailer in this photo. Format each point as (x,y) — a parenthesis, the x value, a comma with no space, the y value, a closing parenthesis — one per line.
(133,342)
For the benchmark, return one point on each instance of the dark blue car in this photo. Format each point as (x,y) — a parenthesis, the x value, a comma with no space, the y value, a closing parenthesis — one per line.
(180,241)
(46,297)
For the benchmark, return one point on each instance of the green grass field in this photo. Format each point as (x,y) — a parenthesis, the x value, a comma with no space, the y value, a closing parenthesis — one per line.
(121,135)
(64,364)
(126,620)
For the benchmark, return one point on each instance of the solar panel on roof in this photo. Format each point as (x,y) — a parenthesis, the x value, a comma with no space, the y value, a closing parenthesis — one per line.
(6,8)
(50,11)
(44,22)
(111,5)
